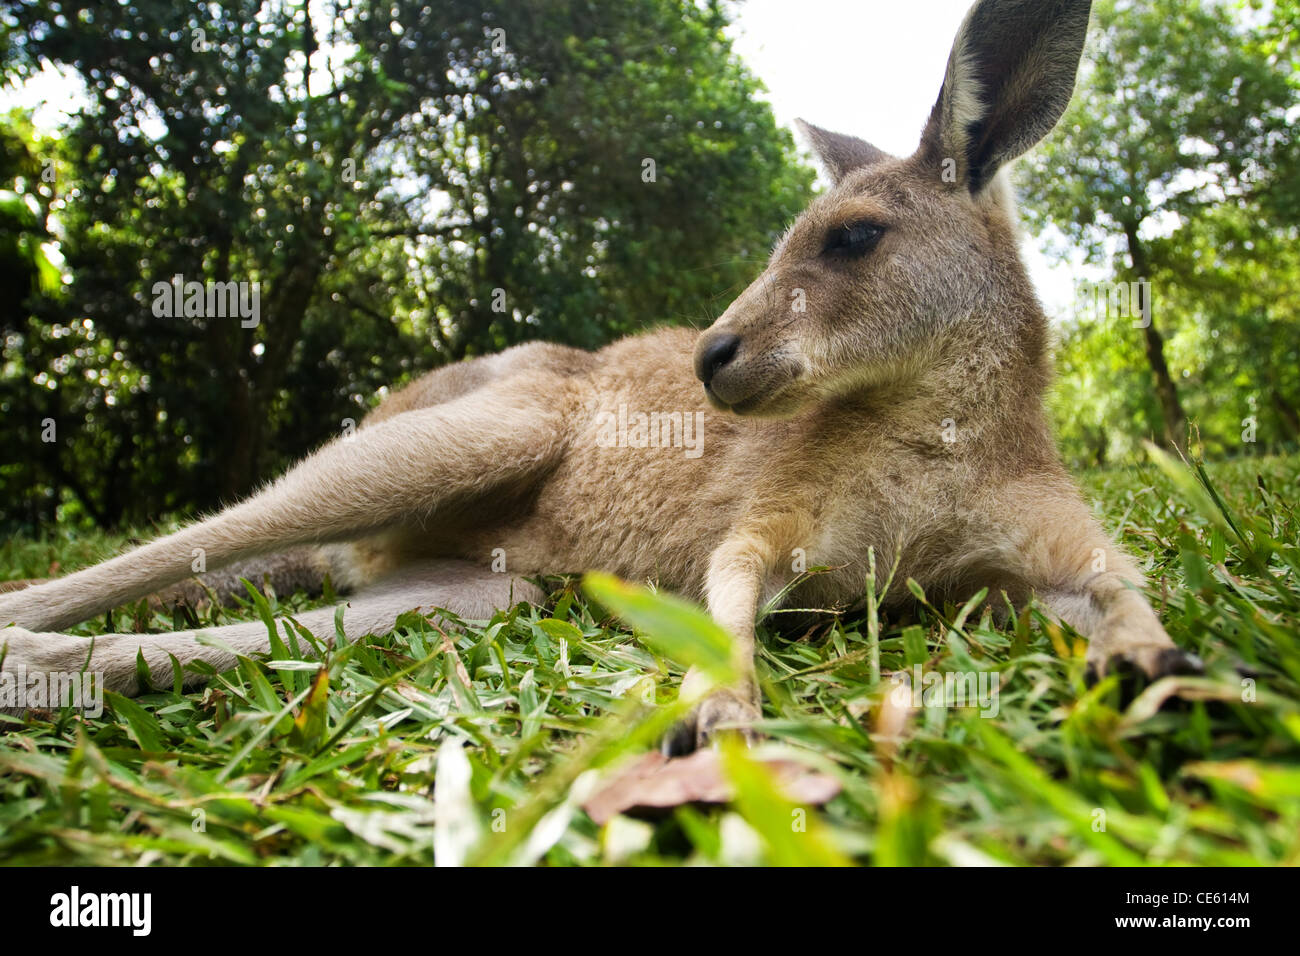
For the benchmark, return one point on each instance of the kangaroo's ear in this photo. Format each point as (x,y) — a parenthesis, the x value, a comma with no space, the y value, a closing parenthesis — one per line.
(1009,78)
(839,154)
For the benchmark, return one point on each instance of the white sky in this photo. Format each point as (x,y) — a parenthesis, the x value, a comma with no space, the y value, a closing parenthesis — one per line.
(870,68)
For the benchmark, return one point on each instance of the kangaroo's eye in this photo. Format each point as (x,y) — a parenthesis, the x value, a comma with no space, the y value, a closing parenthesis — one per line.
(853,240)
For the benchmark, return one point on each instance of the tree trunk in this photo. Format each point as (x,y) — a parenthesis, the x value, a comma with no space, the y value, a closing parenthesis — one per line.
(1287,413)
(1100,442)
(1171,408)
(236,467)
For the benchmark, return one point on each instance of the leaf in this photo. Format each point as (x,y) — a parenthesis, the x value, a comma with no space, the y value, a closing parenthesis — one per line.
(914,647)
(675,628)
(141,725)
(310,724)
(1273,783)
(794,837)
(143,675)
(561,630)
(1185,481)
(263,693)
(653,781)
(455,819)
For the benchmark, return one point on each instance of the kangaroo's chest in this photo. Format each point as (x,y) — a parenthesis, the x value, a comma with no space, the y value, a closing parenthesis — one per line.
(879,502)
(654,481)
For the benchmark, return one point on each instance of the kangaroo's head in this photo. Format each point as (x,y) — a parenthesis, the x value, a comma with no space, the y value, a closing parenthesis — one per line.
(905,261)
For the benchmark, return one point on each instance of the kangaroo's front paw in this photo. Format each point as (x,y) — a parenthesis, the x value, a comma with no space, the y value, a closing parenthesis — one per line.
(1151,658)
(723,711)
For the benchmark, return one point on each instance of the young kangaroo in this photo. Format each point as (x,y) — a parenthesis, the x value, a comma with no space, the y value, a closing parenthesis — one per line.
(878,386)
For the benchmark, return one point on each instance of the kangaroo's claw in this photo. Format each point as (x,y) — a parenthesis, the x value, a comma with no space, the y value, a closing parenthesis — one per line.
(722,711)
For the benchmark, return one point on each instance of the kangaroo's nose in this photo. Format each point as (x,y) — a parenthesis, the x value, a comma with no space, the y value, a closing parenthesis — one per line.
(714,355)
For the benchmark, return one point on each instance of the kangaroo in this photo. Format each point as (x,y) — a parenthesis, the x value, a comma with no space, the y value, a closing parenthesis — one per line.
(879,386)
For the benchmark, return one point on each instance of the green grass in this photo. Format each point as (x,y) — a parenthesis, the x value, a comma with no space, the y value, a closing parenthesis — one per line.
(286,763)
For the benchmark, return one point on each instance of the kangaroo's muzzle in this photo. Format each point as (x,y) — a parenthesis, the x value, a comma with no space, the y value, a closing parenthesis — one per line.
(714,352)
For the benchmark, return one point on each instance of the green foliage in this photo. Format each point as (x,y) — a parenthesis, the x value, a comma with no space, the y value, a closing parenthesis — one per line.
(429,188)
(674,627)
(1178,163)
(400,749)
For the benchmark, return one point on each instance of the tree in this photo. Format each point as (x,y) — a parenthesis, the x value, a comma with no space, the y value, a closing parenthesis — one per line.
(30,276)
(402,185)
(1181,115)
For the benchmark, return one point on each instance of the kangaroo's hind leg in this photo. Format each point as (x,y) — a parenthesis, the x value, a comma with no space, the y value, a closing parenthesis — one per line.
(468,591)
(413,467)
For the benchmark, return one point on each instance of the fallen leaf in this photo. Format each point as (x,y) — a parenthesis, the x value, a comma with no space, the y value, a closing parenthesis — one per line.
(654,781)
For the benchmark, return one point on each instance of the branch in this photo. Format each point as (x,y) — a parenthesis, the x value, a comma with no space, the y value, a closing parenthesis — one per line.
(410,232)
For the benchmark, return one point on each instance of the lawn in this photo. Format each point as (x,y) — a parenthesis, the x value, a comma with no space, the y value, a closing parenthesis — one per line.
(288,762)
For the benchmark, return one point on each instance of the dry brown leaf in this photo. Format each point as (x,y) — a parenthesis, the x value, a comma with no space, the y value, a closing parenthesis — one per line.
(654,781)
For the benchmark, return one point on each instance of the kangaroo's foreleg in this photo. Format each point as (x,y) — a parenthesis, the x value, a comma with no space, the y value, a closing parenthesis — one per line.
(1061,553)
(287,572)
(407,468)
(467,591)
(747,569)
